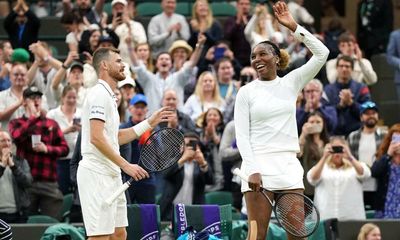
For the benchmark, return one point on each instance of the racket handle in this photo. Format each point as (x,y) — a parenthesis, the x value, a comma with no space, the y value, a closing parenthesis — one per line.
(118,192)
(241,174)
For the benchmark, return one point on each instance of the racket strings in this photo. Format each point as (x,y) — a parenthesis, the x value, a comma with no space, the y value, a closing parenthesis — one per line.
(162,149)
(297,214)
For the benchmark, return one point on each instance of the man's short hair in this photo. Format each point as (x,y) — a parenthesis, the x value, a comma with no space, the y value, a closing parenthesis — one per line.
(346,59)
(102,54)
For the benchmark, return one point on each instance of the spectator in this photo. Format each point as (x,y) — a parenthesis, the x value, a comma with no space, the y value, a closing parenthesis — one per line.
(234,32)
(127,86)
(180,121)
(154,84)
(225,73)
(259,28)
(75,26)
(212,127)
(216,53)
(74,77)
(94,37)
(11,98)
(68,117)
(364,143)
(22,26)
(185,180)
(312,93)
(166,27)
(247,75)
(143,51)
(43,70)
(374,24)
(15,178)
(363,71)
(76,211)
(313,139)
(346,95)
(203,22)
(331,35)
(41,155)
(5,64)
(369,231)
(393,57)
(337,179)
(205,96)
(143,191)
(386,169)
(91,14)
(124,26)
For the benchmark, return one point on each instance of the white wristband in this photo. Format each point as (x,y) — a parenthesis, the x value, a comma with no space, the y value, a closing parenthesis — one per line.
(141,127)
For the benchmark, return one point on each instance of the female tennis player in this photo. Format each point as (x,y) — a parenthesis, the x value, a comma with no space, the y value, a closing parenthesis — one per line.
(265,120)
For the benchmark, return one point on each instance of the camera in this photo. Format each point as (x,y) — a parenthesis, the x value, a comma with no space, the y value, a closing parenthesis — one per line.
(193,144)
(219,53)
(119,14)
(396,137)
(337,149)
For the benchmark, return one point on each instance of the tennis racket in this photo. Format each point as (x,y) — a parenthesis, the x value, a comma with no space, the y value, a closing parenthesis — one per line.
(160,151)
(295,212)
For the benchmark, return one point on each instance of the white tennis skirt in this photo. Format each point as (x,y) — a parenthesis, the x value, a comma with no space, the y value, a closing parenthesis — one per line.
(279,171)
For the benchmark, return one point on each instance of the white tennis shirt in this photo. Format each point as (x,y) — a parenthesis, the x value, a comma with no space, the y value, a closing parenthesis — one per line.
(100,103)
(265,119)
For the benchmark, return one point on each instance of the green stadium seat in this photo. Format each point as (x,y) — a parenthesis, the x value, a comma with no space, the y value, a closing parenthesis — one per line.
(148,9)
(219,198)
(222,9)
(184,8)
(107,8)
(68,200)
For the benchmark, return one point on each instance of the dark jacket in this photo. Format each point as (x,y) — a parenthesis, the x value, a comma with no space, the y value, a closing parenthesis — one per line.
(381,170)
(328,112)
(174,177)
(348,117)
(22,179)
(31,31)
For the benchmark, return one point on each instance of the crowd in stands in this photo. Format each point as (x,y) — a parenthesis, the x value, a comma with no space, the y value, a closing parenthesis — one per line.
(194,66)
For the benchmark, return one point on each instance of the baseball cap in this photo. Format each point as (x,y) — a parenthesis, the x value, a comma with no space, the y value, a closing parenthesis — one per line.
(77,64)
(124,2)
(20,55)
(128,77)
(31,91)
(138,98)
(368,105)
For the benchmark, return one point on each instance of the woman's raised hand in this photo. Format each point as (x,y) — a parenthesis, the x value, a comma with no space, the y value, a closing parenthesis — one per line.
(283,15)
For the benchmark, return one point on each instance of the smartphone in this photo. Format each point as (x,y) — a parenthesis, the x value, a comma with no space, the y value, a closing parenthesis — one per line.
(193,144)
(219,53)
(119,14)
(76,121)
(82,57)
(337,149)
(396,137)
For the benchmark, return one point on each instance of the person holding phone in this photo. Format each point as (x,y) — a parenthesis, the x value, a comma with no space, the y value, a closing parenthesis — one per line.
(265,120)
(125,27)
(185,181)
(67,115)
(337,179)
(313,139)
(386,169)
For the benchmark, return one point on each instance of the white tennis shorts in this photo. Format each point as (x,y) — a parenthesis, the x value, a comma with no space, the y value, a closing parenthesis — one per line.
(98,217)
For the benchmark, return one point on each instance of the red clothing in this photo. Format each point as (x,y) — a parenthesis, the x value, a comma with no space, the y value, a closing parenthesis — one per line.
(43,165)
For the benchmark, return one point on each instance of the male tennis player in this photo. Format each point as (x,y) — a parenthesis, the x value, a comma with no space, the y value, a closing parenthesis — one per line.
(99,171)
